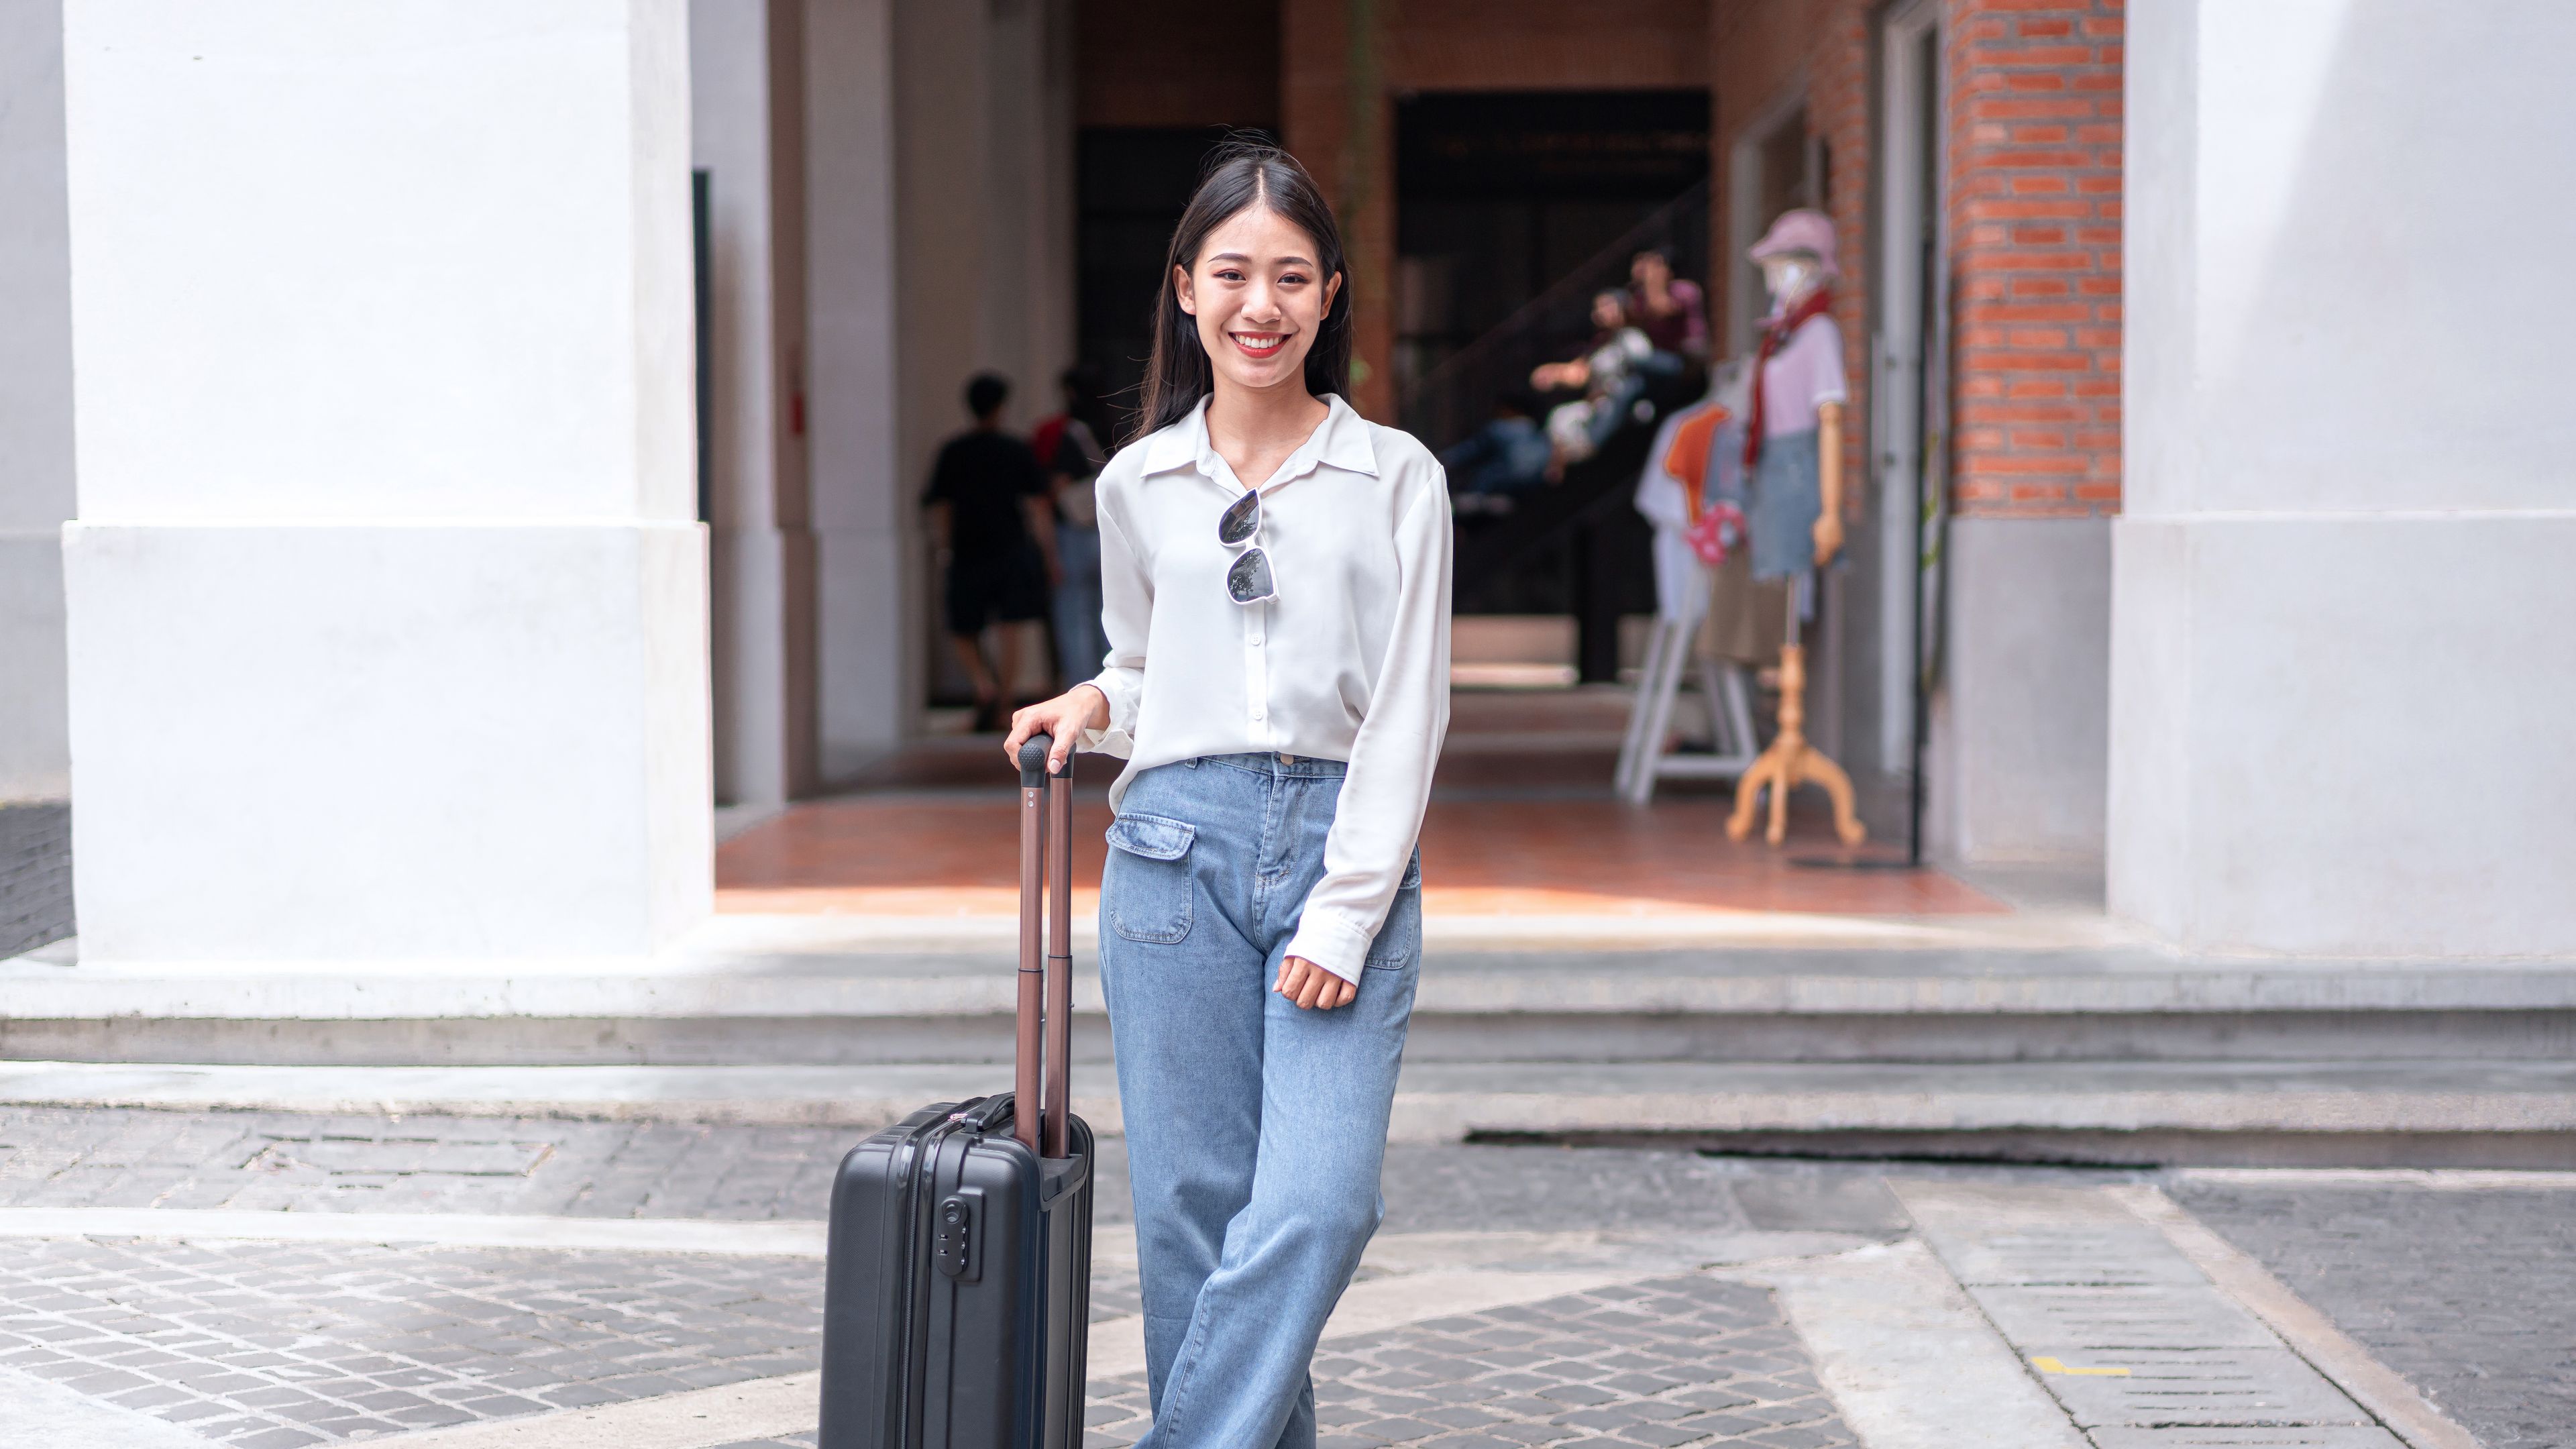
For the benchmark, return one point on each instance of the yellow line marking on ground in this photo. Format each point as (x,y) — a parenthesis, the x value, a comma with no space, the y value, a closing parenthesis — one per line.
(2048,1365)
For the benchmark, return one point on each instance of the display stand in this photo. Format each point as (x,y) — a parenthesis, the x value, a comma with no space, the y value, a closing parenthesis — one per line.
(1791,761)
(1645,755)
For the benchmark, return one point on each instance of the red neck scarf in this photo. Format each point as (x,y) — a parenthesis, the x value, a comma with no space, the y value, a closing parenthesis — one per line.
(1775,335)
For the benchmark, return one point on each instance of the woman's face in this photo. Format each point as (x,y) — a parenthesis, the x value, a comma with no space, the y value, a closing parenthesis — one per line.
(1259,295)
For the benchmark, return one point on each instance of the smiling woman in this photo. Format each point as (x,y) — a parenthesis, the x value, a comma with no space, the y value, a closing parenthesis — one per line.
(1287,562)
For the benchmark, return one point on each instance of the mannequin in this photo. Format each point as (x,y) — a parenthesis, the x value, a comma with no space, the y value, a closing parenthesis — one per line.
(1797,498)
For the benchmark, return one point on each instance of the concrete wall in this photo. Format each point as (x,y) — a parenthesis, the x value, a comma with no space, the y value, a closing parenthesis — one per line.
(2343,672)
(2021,729)
(35,402)
(387,600)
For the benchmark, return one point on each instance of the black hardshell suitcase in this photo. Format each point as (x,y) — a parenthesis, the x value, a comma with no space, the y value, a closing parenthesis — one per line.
(957,1294)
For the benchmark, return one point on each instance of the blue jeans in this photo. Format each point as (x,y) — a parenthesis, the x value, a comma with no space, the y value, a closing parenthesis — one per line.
(1255,1131)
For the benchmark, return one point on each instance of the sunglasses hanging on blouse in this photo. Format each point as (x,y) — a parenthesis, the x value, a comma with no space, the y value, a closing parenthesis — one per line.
(1247,580)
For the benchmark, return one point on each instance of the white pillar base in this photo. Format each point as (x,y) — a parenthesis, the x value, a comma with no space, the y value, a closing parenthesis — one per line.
(377,742)
(2346,735)
(35,743)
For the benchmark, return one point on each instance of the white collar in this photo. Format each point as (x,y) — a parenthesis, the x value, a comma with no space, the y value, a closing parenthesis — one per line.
(1341,439)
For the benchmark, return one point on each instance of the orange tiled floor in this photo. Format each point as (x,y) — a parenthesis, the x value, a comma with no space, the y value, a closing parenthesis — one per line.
(1520,824)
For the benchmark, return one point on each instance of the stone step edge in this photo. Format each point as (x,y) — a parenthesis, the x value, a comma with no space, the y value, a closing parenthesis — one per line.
(66,995)
(2402,1098)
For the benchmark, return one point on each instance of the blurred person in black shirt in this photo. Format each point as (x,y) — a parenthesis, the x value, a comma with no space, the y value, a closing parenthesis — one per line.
(995,528)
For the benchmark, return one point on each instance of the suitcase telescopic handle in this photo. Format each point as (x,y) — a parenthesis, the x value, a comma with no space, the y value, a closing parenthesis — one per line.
(1043,1056)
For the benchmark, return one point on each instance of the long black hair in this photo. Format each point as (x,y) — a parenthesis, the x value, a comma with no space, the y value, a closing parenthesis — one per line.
(1240,175)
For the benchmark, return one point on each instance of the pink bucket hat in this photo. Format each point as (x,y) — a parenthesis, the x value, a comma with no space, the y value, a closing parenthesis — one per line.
(1802,230)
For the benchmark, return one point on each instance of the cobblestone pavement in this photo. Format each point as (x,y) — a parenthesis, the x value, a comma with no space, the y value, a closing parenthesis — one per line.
(2470,1294)
(1674,1362)
(272,1346)
(35,876)
(1677,1361)
(67,1157)
(58,1157)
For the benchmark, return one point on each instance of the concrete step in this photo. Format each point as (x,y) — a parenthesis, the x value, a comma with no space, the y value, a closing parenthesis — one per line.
(2439,1113)
(834,1004)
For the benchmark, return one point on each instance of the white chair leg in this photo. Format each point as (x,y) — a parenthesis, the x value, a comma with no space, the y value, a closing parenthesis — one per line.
(1673,660)
(1633,751)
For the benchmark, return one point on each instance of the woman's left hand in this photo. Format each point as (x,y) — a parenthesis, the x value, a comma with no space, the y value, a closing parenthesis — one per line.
(1312,987)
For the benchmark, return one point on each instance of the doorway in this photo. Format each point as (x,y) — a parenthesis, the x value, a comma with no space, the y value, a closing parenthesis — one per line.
(1513,210)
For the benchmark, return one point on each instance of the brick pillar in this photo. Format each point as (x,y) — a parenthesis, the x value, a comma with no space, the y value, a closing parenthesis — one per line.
(2035,248)
(2033,180)
(1338,120)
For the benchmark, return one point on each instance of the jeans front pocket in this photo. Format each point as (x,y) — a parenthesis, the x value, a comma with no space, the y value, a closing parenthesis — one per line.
(1146,885)
(1399,939)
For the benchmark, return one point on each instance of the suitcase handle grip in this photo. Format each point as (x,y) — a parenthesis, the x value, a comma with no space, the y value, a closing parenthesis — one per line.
(1033,761)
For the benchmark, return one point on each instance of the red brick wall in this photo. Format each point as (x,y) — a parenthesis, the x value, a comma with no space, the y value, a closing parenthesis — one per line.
(2034,198)
(1493,45)
(1763,51)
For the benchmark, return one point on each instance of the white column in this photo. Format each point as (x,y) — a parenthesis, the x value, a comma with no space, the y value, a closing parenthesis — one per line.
(2344,617)
(939,205)
(387,598)
(35,402)
(868,648)
(746,68)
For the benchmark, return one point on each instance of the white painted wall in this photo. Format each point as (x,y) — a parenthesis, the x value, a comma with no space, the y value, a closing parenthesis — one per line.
(747,132)
(387,599)
(35,403)
(2343,670)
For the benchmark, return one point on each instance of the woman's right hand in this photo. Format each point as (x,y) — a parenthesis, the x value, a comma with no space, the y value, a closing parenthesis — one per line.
(1065,717)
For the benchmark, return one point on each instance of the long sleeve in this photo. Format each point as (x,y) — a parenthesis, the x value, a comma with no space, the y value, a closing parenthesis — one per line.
(1126,614)
(1388,781)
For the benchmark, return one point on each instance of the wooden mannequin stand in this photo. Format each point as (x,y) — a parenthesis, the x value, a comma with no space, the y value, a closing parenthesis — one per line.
(1797,257)
(1790,761)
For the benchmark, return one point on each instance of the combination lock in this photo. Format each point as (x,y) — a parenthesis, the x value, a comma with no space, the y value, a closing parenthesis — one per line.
(953,1244)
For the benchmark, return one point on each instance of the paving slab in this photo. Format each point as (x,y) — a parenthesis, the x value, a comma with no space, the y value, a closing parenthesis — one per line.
(2171,1388)
(2040,1236)
(2087,1325)
(2152,1349)
(1909,1360)
(2201,1437)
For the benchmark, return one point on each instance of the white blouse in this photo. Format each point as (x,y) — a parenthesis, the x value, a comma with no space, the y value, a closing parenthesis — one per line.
(1350,662)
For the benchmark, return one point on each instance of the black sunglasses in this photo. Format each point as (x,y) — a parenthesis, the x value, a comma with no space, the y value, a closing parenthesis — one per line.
(1247,580)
